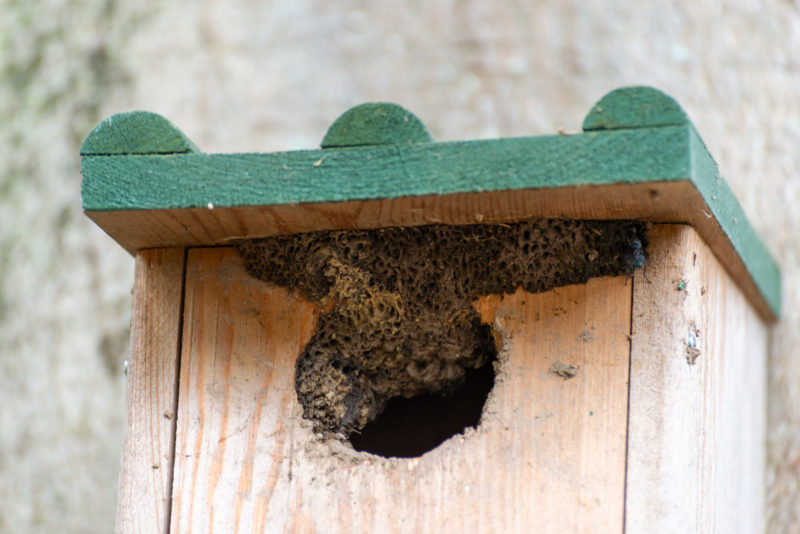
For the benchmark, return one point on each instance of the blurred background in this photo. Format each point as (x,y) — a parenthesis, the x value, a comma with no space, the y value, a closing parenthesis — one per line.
(246,75)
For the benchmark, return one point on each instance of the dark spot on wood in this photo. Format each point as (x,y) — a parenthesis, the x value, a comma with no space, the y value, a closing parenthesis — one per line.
(563,370)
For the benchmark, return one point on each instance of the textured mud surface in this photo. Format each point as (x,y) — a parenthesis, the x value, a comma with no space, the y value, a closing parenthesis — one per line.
(399,320)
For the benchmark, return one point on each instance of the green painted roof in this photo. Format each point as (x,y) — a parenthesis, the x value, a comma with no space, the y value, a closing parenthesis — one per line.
(636,135)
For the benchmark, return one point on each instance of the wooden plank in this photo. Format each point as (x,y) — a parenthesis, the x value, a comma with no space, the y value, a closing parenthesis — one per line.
(202,226)
(548,457)
(237,407)
(655,202)
(388,171)
(696,446)
(146,472)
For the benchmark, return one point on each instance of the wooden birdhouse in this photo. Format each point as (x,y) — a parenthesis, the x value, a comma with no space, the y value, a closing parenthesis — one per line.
(563,333)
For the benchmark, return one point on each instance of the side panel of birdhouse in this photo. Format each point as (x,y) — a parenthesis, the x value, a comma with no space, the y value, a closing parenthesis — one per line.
(696,447)
(146,472)
(548,456)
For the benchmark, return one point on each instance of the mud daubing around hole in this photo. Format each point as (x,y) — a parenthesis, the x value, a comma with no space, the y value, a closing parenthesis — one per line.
(399,324)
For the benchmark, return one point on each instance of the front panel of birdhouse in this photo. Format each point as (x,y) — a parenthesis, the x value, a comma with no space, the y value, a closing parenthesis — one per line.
(547,441)
(378,339)
(588,378)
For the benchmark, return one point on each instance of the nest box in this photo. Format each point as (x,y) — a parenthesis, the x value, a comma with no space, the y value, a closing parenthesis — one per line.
(563,333)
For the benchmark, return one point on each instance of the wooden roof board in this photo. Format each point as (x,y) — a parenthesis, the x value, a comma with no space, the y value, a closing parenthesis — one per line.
(135,182)
(635,137)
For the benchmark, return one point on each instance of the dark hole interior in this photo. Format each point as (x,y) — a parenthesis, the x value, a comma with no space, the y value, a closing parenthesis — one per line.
(408,428)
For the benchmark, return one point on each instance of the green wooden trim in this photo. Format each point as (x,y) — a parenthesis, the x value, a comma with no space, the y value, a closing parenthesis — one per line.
(330,175)
(724,207)
(136,132)
(378,123)
(634,135)
(634,107)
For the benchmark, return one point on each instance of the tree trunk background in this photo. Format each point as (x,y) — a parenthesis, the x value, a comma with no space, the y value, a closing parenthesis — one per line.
(243,75)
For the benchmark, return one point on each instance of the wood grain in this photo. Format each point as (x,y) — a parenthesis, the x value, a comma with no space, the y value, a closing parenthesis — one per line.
(146,472)
(549,455)
(235,414)
(634,107)
(697,430)
(377,123)
(136,132)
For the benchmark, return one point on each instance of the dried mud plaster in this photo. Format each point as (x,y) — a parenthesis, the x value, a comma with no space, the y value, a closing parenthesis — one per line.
(399,321)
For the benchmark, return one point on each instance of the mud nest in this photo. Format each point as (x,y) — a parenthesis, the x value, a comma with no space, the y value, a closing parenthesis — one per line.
(399,321)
